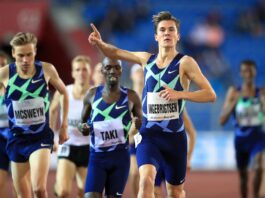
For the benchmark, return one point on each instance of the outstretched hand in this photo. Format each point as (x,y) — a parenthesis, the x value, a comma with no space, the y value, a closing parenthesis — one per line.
(94,37)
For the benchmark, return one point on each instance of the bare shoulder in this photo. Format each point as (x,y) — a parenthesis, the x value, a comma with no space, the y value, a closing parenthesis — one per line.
(144,56)
(4,74)
(188,62)
(232,91)
(4,70)
(90,95)
(131,93)
(47,66)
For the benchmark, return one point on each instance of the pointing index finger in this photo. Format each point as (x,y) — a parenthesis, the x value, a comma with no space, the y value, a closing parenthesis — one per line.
(94,28)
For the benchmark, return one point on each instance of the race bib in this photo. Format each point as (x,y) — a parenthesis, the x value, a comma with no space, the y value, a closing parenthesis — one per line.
(3,116)
(29,112)
(63,150)
(108,133)
(250,116)
(159,108)
(137,139)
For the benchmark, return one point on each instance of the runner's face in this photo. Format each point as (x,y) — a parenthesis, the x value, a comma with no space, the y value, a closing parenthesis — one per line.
(112,72)
(81,72)
(247,72)
(24,56)
(167,34)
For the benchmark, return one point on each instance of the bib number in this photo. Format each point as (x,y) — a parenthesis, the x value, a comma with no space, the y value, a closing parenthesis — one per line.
(63,150)
(159,108)
(29,112)
(108,133)
(3,116)
(137,139)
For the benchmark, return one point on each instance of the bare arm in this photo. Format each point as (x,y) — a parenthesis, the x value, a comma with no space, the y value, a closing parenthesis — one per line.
(262,91)
(55,112)
(86,111)
(87,107)
(4,74)
(114,52)
(193,72)
(229,105)
(137,108)
(52,77)
(189,69)
(192,135)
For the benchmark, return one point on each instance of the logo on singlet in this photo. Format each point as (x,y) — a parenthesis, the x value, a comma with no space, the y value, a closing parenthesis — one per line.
(119,107)
(35,81)
(44,145)
(170,72)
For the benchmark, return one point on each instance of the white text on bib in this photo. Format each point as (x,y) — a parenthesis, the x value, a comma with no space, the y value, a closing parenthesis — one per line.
(29,112)
(108,133)
(159,108)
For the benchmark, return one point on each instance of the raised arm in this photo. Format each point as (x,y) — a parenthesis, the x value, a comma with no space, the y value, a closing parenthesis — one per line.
(53,78)
(114,52)
(231,99)
(192,136)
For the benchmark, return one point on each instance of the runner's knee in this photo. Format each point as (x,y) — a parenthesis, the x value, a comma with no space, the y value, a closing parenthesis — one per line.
(39,192)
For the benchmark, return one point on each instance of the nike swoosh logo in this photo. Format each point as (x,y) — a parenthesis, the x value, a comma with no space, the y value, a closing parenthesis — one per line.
(119,107)
(44,145)
(35,81)
(170,72)
(119,194)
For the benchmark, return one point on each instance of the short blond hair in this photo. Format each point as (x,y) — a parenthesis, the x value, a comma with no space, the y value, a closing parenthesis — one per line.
(23,38)
(82,58)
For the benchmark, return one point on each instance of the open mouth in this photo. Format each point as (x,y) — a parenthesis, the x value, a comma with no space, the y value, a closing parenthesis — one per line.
(167,40)
(113,78)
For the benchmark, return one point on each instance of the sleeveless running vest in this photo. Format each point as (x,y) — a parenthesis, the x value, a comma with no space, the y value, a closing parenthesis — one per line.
(74,117)
(27,102)
(159,114)
(110,123)
(3,118)
(248,114)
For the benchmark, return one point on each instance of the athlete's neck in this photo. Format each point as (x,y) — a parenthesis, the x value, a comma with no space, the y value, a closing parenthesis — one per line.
(248,89)
(114,88)
(165,56)
(111,93)
(248,85)
(79,90)
(26,73)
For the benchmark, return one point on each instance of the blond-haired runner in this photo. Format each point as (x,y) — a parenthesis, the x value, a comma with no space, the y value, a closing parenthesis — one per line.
(30,138)
(73,155)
